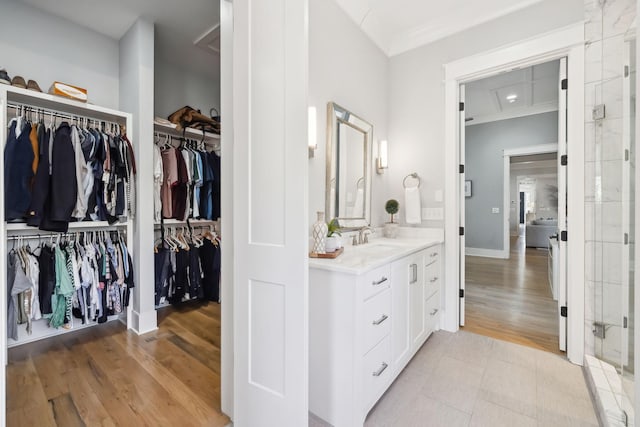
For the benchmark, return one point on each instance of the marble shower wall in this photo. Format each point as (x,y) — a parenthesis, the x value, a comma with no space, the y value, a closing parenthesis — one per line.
(606,24)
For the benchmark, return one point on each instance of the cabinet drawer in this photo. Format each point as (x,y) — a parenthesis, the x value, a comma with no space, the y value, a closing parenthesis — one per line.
(377,320)
(431,279)
(376,372)
(432,312)
(432,255)
(376,281)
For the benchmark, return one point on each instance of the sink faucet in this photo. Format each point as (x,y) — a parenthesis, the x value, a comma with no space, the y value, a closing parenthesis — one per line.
(363,236)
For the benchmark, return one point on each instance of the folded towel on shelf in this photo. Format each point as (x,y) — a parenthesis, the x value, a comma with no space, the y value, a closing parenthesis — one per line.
(412,205)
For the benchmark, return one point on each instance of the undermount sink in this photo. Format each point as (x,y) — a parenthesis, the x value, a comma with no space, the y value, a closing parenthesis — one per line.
(376,248)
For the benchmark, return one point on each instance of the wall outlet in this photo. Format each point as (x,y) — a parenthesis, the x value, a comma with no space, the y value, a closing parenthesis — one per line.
(495,210)
(433,214)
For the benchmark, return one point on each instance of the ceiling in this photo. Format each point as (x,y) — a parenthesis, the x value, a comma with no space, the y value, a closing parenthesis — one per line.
(517,93)
(177,24)
(397,26)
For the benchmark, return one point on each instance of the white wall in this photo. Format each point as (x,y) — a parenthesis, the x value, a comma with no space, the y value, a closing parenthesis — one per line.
(136,87)
(485,144)
(416,92)
(347,68)
(45,48)
(176,87)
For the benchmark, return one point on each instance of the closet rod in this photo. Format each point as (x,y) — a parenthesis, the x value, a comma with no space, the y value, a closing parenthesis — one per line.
(207,141)
(44,236)
(63,235)
(183,224)
(60,114)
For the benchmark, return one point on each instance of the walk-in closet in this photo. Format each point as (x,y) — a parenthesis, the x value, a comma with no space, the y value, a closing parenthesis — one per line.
(110,218)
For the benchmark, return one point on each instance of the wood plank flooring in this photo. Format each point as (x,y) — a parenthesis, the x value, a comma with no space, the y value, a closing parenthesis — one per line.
(511,299)
(107,376)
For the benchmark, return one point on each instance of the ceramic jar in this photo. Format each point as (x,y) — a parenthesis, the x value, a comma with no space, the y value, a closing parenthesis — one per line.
(319,234)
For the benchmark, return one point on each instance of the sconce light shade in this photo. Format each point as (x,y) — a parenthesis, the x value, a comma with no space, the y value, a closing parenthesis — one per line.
(383,160)
(313,143)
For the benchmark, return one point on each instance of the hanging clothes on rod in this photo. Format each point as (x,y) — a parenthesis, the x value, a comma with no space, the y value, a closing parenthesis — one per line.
(80,170)
(187,265)
(86,276)
(186,179)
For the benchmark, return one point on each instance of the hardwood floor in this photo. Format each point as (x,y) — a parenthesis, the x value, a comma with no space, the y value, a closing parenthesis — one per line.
(106,376)
(511,299)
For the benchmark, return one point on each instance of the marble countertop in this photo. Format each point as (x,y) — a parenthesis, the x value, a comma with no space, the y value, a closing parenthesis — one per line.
(379,251)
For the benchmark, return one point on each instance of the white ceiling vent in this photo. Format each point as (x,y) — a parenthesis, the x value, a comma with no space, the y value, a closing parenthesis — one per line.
(210,40)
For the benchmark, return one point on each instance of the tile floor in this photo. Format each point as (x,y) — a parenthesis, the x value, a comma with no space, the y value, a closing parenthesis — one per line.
(464,379)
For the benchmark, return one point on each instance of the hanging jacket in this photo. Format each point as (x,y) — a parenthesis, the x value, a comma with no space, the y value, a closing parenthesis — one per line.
(64,187)
(40,189)
(18,172)
(82,174)
(63,291)
(215,196)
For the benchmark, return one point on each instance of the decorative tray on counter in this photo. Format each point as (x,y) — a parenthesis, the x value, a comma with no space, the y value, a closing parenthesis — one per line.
(333,254)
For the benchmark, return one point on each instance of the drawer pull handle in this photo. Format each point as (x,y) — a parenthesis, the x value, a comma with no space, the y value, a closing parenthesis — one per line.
(434,279)
(380,320)
(381,370)
(434,254)
(433,313)
(379,282)
(414,273)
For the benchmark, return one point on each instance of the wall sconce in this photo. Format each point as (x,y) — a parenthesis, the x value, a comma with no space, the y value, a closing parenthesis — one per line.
(383,159)
(313,143)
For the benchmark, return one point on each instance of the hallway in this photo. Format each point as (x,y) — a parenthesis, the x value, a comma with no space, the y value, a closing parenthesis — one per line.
(511,299)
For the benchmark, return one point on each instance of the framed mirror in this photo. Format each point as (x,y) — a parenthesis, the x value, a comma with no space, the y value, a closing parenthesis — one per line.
(348,175)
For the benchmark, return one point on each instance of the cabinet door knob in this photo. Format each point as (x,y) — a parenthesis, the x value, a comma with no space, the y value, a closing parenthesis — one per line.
(379,282)
(381,370)
(433,313)
(434,279)
(380,320)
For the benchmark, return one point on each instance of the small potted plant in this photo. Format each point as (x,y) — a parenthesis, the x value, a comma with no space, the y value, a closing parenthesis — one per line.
(391,228)
(333,242)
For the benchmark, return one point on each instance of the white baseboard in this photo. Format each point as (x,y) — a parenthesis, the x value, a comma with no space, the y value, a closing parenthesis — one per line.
(487,253)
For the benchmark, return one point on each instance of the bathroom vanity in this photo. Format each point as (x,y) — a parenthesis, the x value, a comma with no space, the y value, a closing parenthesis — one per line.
(370,310)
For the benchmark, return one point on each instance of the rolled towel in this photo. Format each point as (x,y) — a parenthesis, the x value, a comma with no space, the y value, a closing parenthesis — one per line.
(412,205)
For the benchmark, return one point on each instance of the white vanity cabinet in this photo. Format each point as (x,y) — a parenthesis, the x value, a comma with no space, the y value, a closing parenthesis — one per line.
(408,308)
(365,325)
(432,283)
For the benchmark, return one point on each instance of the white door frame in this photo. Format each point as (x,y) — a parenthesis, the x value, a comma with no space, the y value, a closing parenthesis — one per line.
(519,176)
(227,248)
(567,42)
(506,201)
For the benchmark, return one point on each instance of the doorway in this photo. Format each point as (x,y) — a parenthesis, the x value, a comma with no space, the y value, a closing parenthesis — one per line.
(510,118)
(563,43)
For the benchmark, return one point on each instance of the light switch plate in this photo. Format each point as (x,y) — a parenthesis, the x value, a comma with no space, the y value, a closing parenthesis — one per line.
(495,210)
(438,196)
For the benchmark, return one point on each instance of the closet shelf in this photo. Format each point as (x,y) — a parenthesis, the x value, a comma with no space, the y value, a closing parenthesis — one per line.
(193,222)
(172,130)
(15,95)
(73,226)
(42,330)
